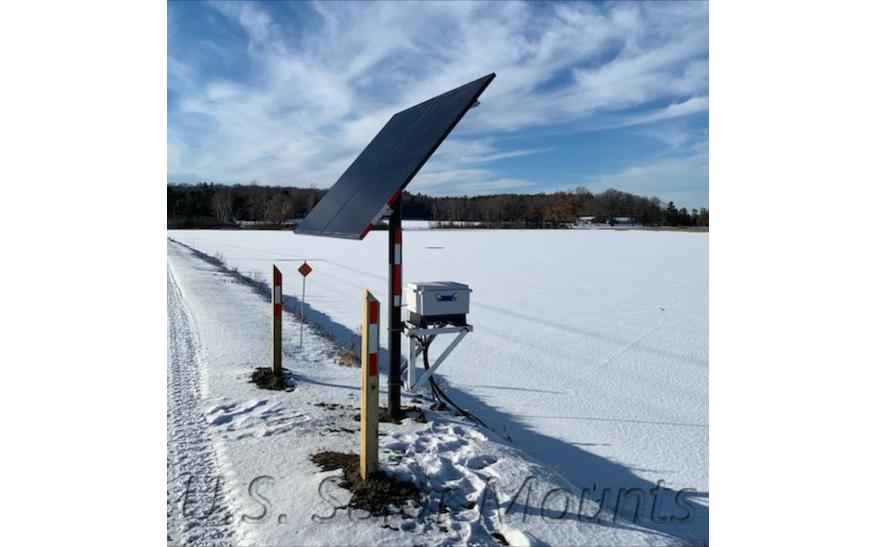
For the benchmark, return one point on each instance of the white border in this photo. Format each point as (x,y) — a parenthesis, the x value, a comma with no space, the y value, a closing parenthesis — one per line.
(84,141)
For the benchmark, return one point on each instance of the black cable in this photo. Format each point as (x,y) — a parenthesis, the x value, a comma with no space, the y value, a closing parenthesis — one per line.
(436,390)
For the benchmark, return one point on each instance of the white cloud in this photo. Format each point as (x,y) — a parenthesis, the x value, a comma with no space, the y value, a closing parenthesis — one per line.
(461,181)
(676,177)
(693,105)
(320,91)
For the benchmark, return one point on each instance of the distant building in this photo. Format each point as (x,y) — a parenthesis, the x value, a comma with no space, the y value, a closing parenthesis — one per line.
(622,221)
(585,221)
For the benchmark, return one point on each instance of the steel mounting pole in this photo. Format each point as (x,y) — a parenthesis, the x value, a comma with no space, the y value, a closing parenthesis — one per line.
(395,309)
(276,297)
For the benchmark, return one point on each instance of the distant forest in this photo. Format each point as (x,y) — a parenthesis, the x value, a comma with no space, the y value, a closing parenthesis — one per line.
(219,206)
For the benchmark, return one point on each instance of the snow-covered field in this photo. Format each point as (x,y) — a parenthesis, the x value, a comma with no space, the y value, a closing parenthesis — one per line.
(589,362)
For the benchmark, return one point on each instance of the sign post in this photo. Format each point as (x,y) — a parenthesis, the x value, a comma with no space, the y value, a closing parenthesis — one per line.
(304,270)
(276,298)
(370,383)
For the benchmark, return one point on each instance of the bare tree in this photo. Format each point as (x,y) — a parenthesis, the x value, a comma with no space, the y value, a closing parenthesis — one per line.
(221,204)
(278,209)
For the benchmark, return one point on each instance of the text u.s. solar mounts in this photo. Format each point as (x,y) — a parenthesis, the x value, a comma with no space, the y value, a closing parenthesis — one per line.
(379,174)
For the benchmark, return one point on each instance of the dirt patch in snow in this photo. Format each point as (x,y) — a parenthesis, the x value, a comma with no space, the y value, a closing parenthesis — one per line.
(348,356)
(409,412)
(331,406)
(264,378)
(379,495)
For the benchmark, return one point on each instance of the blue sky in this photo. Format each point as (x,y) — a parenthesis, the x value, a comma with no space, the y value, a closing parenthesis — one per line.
(596,95)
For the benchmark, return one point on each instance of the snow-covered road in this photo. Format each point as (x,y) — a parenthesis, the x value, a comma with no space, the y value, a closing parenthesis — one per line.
(191,458)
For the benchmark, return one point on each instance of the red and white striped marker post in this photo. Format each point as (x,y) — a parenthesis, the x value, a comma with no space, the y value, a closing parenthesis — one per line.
(370,383)
(395,308)
(276,299)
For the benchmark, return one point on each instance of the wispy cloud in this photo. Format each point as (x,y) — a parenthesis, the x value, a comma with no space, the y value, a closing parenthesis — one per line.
(321,79)
(676,176)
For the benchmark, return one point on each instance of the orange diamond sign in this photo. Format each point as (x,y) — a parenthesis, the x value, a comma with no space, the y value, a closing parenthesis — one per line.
(305,269)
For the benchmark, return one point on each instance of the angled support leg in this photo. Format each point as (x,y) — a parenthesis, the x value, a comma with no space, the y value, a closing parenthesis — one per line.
(433,367)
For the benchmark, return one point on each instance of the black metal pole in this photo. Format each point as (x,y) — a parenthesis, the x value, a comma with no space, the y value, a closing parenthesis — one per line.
(395,310)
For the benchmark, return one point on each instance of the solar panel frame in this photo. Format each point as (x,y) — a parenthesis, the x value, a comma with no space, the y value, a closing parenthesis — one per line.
(386,166)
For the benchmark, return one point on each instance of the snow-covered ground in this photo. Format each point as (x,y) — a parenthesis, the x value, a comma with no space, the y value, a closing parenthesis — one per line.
(589,353)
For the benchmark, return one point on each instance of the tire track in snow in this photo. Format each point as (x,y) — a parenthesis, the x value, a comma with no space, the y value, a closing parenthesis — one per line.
(197,513)
(634,342)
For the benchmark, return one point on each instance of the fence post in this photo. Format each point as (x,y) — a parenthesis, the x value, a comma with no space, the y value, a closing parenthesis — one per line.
(370,383)
(276,298)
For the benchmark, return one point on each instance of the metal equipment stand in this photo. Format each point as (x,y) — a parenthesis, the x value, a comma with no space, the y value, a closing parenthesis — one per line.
(415,348)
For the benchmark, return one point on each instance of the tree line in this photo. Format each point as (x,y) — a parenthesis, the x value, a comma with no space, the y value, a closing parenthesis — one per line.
(207,205)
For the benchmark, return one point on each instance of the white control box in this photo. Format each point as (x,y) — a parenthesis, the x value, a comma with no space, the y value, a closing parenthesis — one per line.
(428,299)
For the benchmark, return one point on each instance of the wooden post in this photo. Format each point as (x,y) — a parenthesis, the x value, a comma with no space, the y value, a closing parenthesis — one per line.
(370,383)
(276,298)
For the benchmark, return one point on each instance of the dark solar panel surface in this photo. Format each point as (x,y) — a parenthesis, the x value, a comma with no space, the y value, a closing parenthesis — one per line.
(389,163)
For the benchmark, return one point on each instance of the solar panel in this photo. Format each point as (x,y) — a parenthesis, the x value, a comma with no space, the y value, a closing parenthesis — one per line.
(387,165)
